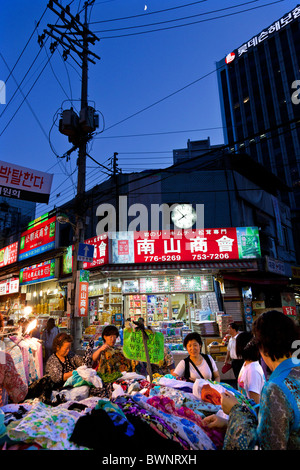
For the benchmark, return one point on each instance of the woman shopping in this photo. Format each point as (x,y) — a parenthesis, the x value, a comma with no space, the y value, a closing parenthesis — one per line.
(196,365)
(278,423)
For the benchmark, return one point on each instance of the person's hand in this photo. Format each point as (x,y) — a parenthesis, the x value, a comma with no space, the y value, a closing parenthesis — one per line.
(215,421)
(227,402)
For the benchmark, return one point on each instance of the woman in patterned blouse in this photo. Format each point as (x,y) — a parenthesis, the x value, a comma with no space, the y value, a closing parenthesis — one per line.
(62,362)
(278,424)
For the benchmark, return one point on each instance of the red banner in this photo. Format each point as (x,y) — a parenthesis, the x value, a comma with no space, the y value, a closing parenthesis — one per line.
(100,253)
(205,244)
(39,238)
(9,254)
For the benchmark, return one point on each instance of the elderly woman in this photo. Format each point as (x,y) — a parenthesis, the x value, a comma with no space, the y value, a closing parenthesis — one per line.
(62,362)
(196,365)
(278,423)
(109,358)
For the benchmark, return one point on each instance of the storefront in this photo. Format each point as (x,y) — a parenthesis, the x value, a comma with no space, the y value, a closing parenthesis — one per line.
(44,296)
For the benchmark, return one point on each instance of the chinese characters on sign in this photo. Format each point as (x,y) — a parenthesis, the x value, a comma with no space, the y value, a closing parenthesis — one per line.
(277,26)
(38,239)
(38,272)
(82,293)
(24,183)
(100,251)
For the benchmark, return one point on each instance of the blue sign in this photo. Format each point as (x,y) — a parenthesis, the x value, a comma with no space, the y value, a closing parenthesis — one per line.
(85,252)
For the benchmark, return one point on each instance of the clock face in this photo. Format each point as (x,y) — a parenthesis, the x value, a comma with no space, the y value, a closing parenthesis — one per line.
(184,216)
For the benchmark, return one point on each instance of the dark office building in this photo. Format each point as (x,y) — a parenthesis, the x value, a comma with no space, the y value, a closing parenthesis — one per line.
(259,103)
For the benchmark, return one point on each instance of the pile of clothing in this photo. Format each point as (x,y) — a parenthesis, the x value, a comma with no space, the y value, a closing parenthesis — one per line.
(88,413)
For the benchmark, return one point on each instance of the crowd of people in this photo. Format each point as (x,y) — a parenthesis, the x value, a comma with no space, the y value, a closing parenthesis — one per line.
(265,363)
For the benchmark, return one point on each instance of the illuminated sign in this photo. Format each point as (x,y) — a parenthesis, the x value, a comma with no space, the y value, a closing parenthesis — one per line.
(38,272)
(100,254)
(231,243)
(266,33)
(38,238)
(230,58)
(10,286)
(23,183)
(82,293)
(9,254)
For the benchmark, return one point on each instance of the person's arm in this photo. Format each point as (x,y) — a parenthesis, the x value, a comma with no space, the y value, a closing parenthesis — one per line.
(216,375)
(276,416)
(179,369)
(98,351)
(255,397)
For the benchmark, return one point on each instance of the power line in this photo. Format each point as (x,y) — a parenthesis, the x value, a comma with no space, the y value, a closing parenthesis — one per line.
(191,23)
(148,13)
(177,19)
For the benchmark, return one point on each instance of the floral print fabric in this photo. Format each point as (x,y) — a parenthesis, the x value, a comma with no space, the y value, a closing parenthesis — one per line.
(47,426)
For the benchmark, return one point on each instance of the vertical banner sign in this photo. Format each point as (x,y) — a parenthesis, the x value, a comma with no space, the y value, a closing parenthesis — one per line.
(82,293)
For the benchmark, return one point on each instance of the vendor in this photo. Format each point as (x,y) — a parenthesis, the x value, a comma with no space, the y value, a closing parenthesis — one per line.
(62,362)
(109,358)
(196,365)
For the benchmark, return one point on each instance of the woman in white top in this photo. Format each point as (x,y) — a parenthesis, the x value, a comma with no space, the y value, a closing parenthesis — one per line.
(196,365)
(251,378)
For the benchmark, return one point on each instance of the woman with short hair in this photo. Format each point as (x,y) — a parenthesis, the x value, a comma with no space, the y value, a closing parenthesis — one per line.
(62,362)
(197,365)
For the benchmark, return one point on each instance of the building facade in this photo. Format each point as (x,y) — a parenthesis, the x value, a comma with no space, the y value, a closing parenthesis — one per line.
(258,95)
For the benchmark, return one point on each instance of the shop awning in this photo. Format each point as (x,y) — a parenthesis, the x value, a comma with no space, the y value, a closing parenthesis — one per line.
(249,265)
(265,279)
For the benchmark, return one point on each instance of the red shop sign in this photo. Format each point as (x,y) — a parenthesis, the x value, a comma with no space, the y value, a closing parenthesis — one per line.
(202,244)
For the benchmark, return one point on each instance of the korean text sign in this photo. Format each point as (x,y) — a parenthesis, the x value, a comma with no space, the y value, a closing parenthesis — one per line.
(19,182)
(133,346)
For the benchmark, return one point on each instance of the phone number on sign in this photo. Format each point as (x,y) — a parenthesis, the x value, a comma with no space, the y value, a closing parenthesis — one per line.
(202,256)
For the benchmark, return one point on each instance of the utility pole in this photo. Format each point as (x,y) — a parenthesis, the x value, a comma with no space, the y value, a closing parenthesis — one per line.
(75,37)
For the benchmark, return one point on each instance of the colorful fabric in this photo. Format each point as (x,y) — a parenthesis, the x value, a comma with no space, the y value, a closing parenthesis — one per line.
(10,381)
(189,431)
(50,427)
(211,395)
(157,423)
(181,398)
(113,360)
(167,405)
(116,415)
(277,429)
(17,357)
(241,429)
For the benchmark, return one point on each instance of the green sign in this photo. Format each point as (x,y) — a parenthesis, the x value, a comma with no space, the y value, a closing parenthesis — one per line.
(133,346)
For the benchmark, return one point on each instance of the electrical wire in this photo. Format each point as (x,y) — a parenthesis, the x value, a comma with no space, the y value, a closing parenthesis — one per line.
(189,24)
(148,13)
(176,19)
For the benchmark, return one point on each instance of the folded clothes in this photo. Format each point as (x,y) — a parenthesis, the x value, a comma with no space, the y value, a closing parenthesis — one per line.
(210,394)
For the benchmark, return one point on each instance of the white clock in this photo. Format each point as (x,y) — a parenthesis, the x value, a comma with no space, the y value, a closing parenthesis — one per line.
(183,216)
